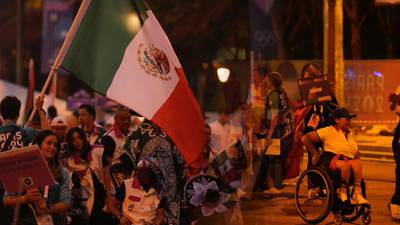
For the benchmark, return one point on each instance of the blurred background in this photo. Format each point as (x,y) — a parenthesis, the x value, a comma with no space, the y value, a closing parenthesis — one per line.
(207,35)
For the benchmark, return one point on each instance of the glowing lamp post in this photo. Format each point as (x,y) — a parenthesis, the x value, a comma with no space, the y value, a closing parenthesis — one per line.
(223,74)
(133,22)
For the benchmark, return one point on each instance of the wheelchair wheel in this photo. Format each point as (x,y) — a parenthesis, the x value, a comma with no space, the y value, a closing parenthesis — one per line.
(356,210)
(314,195)
(366,218)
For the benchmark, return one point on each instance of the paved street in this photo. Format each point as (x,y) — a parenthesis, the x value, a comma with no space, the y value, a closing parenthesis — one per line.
(378,167)
(378,148)
(263,209)
(282,210)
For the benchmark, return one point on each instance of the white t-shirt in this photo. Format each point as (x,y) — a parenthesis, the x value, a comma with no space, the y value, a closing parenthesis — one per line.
(139,206)
(223,136)
(335,141)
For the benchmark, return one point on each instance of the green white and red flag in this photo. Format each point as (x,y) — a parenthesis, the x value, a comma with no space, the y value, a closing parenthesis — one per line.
(121,51)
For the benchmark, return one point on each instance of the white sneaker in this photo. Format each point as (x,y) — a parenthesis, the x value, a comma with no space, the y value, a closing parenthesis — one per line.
(394,211)
(342,195)
(272,191)
(358,199)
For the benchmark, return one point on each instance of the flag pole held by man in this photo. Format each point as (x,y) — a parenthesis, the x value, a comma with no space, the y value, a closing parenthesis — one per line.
(136,66)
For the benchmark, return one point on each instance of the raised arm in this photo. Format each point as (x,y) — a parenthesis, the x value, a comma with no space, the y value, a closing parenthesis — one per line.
(44,124)
(309,140)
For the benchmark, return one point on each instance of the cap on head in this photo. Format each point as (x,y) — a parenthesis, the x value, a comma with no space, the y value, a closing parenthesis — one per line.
(58,121)
(342,113)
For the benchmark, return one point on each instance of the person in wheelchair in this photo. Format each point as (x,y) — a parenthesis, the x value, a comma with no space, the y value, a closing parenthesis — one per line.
(340,152)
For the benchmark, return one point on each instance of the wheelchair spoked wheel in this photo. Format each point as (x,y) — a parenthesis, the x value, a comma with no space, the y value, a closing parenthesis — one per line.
(356,212)
(350,213)
(314,195)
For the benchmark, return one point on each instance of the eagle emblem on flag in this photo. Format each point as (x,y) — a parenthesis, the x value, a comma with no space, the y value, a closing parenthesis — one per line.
(153,61)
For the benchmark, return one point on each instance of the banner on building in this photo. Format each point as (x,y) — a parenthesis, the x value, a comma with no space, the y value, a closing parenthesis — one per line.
(263,40)
(367,87)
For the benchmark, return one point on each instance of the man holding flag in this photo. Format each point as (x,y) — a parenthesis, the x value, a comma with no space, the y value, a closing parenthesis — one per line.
(119,49)
(135,67)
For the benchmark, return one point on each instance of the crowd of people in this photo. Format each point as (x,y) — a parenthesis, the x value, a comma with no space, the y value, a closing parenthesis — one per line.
(132,173)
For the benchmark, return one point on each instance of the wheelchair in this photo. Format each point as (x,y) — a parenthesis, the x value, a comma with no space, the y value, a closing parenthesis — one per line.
(316,196)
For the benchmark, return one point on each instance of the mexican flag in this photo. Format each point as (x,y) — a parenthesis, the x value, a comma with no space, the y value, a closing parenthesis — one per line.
(120,50)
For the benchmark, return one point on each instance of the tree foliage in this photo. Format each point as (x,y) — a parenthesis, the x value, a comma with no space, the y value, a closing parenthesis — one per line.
(198,28)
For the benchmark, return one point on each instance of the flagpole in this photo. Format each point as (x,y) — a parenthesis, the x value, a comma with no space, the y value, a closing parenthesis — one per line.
(53,90)
(61,54)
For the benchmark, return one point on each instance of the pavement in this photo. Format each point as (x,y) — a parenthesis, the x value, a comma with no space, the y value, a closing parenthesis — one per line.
(281,209)
(379,176)
(264,209)
(378,169)
(375,147)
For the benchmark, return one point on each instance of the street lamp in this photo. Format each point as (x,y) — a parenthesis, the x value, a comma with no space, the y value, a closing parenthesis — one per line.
(132,21)
(223,74)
